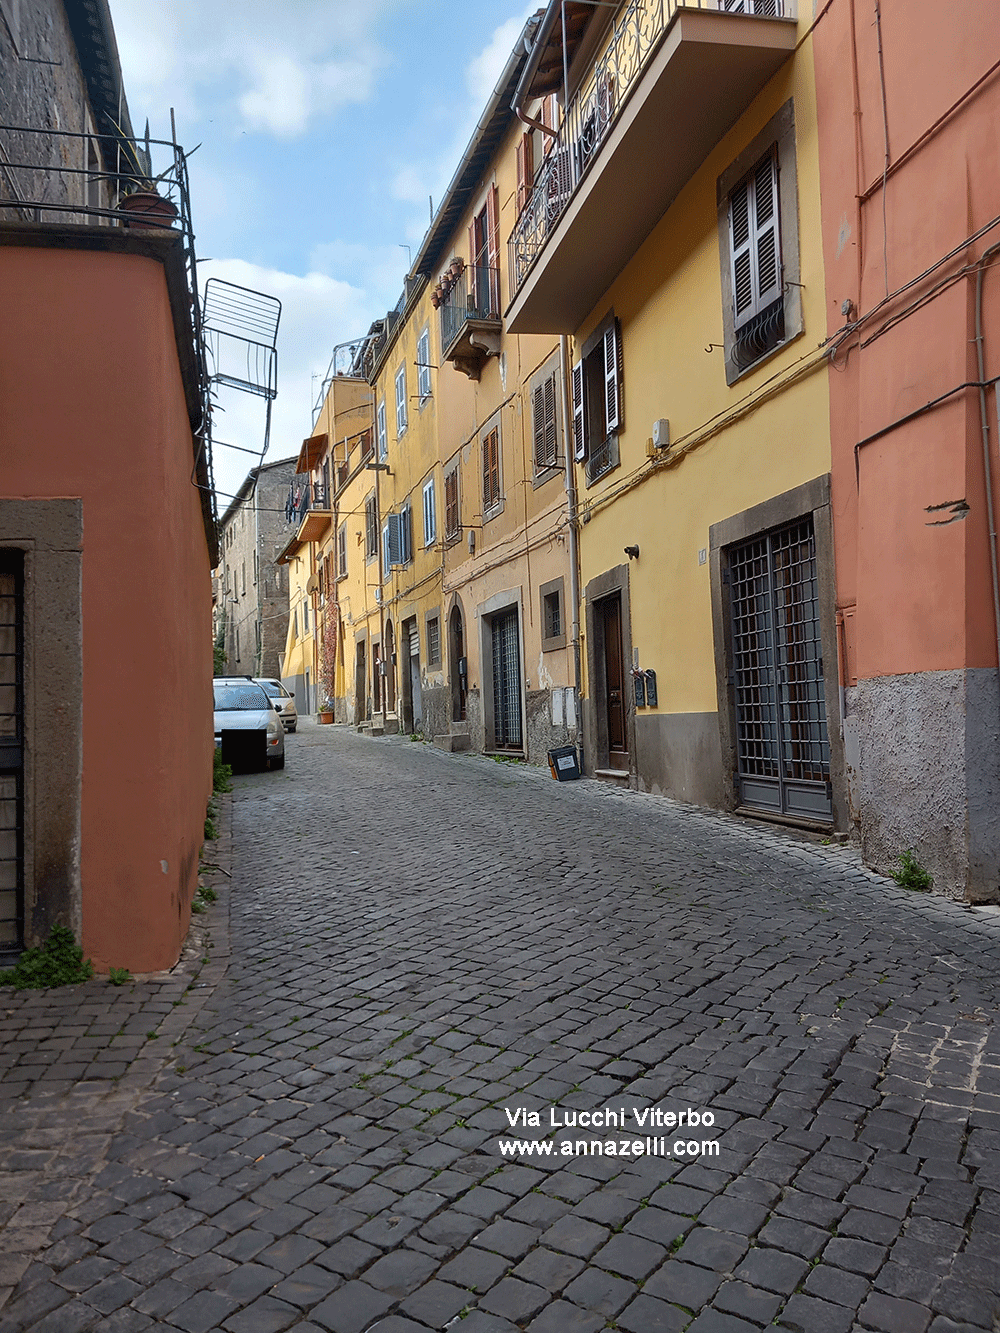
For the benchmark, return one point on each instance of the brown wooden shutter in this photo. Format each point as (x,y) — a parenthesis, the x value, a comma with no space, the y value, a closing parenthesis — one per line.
(491,470)
(544,423)
(492,285)
(451,524)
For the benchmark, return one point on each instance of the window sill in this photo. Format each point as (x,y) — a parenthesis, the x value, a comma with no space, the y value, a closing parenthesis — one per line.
(493,513)
(543,475)
(551,645)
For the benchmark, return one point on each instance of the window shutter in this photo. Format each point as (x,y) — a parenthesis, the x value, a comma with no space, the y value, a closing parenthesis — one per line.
(612,388)
(755,241)
(491,470)
(768,253)
(492,285)
(451,515)
(383,439)
(579,417)
(741,253)
(544,423)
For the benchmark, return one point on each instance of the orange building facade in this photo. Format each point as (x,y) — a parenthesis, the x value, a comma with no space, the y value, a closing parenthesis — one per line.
(106,525)
(908,101)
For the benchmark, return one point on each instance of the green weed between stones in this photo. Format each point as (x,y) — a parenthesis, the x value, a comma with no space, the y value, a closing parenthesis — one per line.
(910,874)
(221,774)
(60,962)
(119,976)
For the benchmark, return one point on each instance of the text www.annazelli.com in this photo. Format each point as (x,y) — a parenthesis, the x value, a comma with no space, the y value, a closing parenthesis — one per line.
(609,1147)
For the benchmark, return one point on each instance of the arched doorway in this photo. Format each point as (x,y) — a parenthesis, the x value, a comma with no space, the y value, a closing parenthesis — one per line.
(458,669)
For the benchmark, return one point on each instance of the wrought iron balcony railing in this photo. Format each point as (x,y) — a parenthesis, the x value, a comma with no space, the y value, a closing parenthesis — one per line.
(638,30)
(474,295)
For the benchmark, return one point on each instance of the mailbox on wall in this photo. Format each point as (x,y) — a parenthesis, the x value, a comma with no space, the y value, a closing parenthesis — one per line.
(650,688)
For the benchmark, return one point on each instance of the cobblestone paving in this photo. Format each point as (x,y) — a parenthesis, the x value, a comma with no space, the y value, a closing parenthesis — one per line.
(421,942)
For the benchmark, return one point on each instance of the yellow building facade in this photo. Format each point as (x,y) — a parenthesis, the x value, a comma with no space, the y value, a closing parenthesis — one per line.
(451,524)
(672,235)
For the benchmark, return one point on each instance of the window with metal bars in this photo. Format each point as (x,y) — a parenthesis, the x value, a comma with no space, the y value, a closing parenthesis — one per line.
(433,640)
(492,498)
(755,258)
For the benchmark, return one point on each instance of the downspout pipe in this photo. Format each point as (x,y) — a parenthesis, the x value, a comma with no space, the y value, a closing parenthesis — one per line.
(987,466)
(574,540)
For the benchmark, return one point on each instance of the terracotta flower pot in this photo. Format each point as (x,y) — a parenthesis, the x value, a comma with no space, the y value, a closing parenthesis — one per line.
(146,208)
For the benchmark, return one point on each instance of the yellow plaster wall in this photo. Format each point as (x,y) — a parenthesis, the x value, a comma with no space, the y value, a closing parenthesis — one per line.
(669,301)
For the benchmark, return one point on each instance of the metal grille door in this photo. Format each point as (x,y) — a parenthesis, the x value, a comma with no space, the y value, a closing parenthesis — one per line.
(783,751)
(506,683)
(11,753)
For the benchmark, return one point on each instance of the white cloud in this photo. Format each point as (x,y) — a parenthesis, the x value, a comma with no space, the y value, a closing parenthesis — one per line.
(290,63)
(483,72)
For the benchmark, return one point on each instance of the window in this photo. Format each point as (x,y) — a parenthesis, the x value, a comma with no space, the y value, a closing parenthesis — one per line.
(491,471)
(553,626)
(342,551)
(755,258)
(452,516)
(484,260)
(430,513)
(424,365)
(597,401)
(433,640)
(305,615)
(543,423)
(243,568)
(759,247)
(382,433)
(371,529)
(400,401)
(397,539)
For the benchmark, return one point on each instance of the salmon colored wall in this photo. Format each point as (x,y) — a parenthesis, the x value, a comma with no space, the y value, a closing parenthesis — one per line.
(94,408)
(922,589)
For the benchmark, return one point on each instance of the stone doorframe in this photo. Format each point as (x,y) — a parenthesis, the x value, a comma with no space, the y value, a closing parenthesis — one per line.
(50,533)
(812,498)
(595,715)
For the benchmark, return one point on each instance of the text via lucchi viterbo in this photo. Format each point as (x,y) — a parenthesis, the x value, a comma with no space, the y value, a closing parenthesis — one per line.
(612,1131)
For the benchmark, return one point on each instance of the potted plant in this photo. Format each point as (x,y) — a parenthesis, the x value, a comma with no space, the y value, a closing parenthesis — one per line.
(326,712)
(140,199)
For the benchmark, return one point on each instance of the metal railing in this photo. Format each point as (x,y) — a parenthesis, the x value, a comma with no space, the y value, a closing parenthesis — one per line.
(638,30)
(59,178)
(475,294)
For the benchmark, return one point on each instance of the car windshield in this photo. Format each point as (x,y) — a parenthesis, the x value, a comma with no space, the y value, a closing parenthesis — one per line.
(233,698)
(274,690)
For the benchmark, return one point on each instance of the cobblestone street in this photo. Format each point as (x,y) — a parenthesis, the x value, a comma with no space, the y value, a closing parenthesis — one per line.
(303,1132)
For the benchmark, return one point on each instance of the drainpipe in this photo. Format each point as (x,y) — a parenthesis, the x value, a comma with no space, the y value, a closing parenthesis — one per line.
(984,418)
(574,545)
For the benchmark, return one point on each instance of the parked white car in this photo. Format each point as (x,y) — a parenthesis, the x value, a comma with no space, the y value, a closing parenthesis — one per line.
(247,727)
(279,695)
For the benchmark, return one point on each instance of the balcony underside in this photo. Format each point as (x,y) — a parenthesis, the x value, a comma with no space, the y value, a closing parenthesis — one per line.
(314,525)
(708,70)
(477,341)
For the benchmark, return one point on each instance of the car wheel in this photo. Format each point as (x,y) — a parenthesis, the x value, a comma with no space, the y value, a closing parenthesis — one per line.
(277,762)
(292,727)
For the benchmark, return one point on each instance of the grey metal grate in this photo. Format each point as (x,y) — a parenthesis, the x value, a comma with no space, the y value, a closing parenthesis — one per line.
(506,682)
(11,752)
(783,749)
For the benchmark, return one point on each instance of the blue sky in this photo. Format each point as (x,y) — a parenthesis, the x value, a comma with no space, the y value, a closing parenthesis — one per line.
(324,126)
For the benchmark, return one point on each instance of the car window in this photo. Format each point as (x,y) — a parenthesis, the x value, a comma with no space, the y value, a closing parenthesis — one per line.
(233,698)
(275,690)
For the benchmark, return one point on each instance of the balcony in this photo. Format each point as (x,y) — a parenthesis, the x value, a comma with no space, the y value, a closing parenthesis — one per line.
(673,78)
(470,319)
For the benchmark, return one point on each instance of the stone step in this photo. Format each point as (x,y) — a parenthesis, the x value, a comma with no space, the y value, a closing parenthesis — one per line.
(454,742)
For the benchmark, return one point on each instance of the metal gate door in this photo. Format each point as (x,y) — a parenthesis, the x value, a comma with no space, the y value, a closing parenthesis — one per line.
(783,751)
(11,753)
(506,682)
